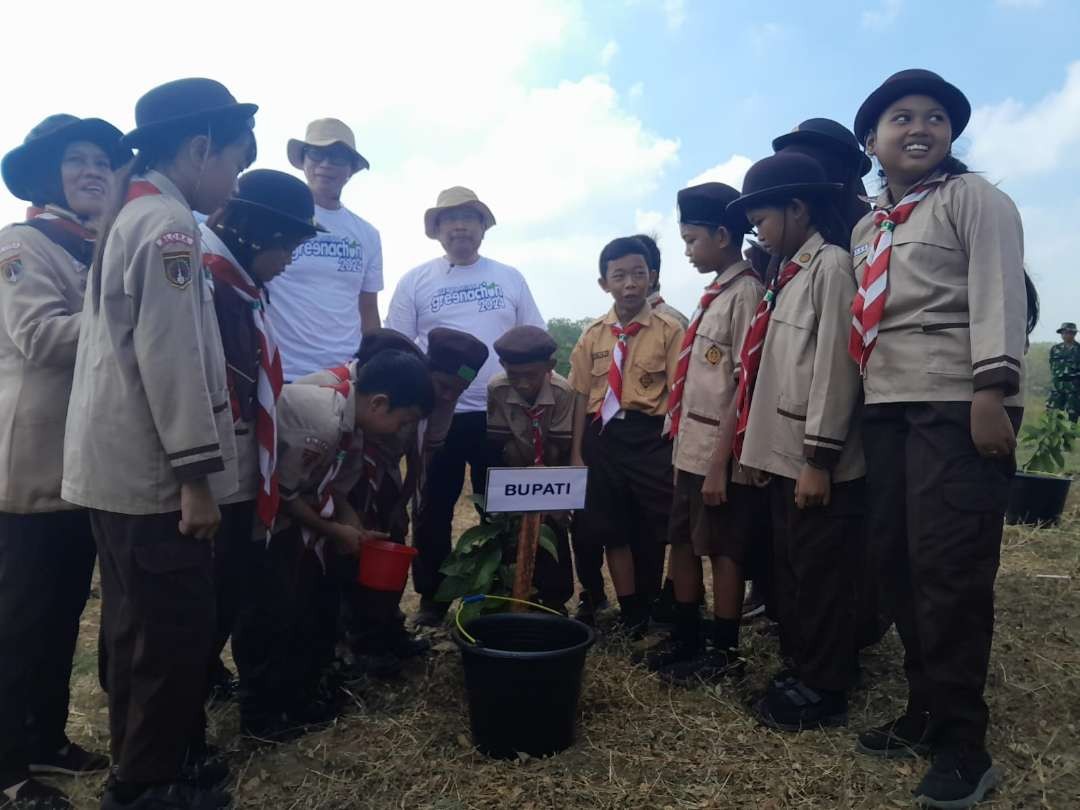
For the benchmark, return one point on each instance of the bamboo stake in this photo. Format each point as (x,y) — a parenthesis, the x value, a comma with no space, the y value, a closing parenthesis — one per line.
(528,540)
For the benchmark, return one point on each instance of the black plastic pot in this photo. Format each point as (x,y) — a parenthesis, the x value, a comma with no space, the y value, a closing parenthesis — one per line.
(1038,499)
(523,679)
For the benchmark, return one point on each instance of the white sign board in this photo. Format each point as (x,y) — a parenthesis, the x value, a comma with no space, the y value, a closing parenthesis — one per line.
(535,489)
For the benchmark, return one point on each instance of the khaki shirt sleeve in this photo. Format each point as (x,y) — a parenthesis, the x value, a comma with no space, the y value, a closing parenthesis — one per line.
(835,387)
(673,349)
(163,278)
(498,425)
(34,309)
(989,227)
(562,417)
(581,365)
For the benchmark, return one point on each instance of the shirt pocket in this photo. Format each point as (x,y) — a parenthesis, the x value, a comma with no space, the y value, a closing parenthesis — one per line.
(647,374)
(946,344)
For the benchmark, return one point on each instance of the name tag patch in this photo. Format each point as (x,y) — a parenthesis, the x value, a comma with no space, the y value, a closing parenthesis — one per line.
(860,250)
(175,238)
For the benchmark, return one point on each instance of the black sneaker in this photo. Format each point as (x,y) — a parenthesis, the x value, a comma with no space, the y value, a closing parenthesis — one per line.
(431,613)
(899,739)
(798,707)
(205,768)
(71,760)
(711,668)
(404,645)
(589,606)
(671,650)
(174,796)
(958,778)
(633,626)
(35,795)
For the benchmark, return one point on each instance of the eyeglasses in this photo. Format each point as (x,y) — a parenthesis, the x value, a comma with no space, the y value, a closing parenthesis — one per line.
(335,157)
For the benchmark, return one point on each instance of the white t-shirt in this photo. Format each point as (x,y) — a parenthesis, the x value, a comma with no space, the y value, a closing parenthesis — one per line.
(316,301)
(484,299)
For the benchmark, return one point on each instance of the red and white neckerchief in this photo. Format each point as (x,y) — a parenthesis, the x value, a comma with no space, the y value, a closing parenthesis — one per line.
(141,188)
(869,305)
(675,397)
(219,260)
(612,403)
(536,414)
(750,356)
(323,493)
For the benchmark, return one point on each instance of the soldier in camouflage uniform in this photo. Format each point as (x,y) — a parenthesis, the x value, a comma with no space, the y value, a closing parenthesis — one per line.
(1065,373)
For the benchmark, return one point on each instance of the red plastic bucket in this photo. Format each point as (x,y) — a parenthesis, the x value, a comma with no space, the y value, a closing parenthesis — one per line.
(384,566)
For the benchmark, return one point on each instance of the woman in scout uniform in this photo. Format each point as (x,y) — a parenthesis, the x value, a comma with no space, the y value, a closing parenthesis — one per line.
(796,424)
(149,445)
(245,245)
(938,332)
(64,169)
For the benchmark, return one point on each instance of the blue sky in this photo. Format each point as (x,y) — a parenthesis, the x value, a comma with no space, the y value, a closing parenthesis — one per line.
(578,121)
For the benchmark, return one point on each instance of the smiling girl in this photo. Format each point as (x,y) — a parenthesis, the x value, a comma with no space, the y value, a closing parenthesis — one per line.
(939,331)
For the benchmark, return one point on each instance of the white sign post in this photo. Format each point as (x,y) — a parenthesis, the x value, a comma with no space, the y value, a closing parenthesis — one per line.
(532,491)
(535,489)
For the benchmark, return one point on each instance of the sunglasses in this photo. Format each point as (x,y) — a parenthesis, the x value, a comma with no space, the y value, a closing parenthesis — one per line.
(335,157)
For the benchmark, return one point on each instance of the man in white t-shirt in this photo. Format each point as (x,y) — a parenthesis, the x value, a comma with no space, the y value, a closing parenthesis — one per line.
(469,292)
(330,296)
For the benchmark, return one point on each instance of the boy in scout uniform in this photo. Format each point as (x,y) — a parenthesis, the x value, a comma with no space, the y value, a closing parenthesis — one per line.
(715,507)
(531,422)
(149,445)
(64,169)
(283,650)
(939,331)
(622,369)
(796,428)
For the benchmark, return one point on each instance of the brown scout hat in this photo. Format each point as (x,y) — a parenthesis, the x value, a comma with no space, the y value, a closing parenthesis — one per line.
(382,340)
(525,344)
(455,352)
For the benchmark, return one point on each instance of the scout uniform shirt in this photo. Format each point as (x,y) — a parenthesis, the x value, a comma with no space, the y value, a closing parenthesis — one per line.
(41,294)
(658,304)
(315,423)
(507,419)
(712,379)
(649,368)
(955,313)
(149,405)
(807,393)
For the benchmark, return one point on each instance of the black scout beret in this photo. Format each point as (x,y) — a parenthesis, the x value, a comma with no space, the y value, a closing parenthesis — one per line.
(383,340)
(455,352)
(525,344)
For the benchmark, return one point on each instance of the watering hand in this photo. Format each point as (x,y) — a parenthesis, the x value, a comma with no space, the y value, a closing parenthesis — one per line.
(346,539)
(991,430)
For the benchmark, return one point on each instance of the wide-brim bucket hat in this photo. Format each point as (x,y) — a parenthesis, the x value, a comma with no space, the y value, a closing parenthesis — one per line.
(915,81)
(832,136)
(282,199)
(183,103)
(780,177)
(322,133)
(23,167)
(1068,326)
(456,197)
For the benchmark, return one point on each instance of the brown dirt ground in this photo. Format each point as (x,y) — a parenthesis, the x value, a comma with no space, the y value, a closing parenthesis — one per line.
(645,745)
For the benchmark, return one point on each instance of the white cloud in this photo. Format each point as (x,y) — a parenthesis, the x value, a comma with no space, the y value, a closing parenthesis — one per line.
(881,17)
(1013,140)
(453,100)
(675,12)
(731,171)
(608,52)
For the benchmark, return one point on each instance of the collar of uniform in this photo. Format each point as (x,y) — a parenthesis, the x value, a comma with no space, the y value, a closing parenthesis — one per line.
(810,248)
(884,200)
(164,185)
(212,243)
(545,397)
(642,317)
(731,271)
(56,211)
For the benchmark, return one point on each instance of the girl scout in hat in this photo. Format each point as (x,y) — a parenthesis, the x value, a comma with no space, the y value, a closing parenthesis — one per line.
(64,169)
(795,423)
(245,245)
(149,441)
(938,333)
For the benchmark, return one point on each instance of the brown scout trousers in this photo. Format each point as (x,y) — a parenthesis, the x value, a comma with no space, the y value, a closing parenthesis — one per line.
(814,554)
(158,610)
(934,513)
(46,561)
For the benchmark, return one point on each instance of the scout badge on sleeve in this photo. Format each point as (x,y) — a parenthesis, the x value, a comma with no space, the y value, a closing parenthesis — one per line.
(176,255)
